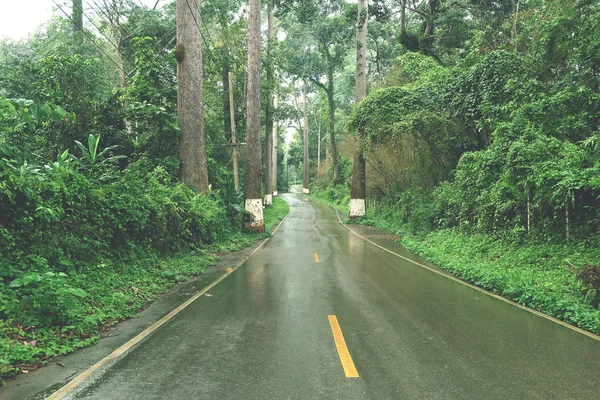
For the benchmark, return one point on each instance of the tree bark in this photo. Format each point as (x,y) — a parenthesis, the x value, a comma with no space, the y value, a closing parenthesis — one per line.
(357,207)
(429,27)
(227,107)
(253,176)
(192,142)
(319,151)
(236,149)
(275,126)
(78,25)
(331,106)
(305,125)
(402,16)
(268,201)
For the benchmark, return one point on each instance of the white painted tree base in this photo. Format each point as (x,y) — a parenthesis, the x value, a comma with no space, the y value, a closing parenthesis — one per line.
(268,200)
(357,208)
(255,207)
(275,194)
(305,190)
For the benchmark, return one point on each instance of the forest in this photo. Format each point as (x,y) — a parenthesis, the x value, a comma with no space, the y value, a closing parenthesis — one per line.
(469,128)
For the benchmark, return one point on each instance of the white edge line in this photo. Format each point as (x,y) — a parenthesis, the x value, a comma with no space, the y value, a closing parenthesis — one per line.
(72,385)
(504,299)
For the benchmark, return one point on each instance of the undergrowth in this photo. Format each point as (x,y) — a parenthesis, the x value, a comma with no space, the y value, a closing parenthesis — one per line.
(77,257)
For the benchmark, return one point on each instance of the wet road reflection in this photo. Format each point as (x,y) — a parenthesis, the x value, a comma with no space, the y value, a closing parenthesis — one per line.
(265,333)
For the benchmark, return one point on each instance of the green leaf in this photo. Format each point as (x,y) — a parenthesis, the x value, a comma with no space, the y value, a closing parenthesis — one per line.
(17,283)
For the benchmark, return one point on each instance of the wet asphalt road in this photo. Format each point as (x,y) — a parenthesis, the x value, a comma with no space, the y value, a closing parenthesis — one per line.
(263,332)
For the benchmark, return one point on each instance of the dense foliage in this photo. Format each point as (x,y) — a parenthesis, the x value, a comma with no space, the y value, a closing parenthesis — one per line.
(482,146)
(94,222)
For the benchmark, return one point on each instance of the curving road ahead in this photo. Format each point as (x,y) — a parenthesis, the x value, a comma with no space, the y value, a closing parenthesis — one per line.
(279,327)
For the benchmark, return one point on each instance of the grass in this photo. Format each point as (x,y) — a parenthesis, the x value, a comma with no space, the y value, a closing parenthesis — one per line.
(116,290)
(274,214)
(538,275)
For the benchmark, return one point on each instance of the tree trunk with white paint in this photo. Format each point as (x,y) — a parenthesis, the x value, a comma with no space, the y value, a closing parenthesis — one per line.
(305,123)
(253,176)
(357,206)
(275,126)
(268,200)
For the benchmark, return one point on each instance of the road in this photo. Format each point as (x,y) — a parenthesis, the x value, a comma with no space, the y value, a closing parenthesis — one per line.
(265,332)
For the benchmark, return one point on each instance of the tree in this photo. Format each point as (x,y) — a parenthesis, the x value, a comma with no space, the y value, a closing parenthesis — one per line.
(358,193)
(268,111)
(306,186)
(112,13)
(253,175)
(318,34)
(78,24)
(192,142)
(274,176)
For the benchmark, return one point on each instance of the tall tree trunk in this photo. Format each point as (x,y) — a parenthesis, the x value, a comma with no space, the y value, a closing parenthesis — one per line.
(122,76)
(429,27)
(319,151)
(226,91)
(567,217)
(305,125)
(78,26)
(253,176)
(275,126)
(357,207)
(236,152)
(402,17)
(268,113)
(528,208)
(515,21)
(192,142)
(331,104)
(112,10)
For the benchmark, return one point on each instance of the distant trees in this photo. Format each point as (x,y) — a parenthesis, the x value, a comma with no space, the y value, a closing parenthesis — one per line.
(320,36)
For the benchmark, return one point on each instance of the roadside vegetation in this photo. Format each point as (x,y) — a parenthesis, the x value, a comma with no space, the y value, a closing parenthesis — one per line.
(480,134)
(481,144)
(95,219)
(86,245)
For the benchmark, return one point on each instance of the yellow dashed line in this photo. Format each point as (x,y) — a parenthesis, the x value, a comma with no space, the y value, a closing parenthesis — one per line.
(316,257)
(340,344)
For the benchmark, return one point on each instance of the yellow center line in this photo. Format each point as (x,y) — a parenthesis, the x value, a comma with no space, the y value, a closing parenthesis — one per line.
(340,344)
(314,235)
(316,257)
